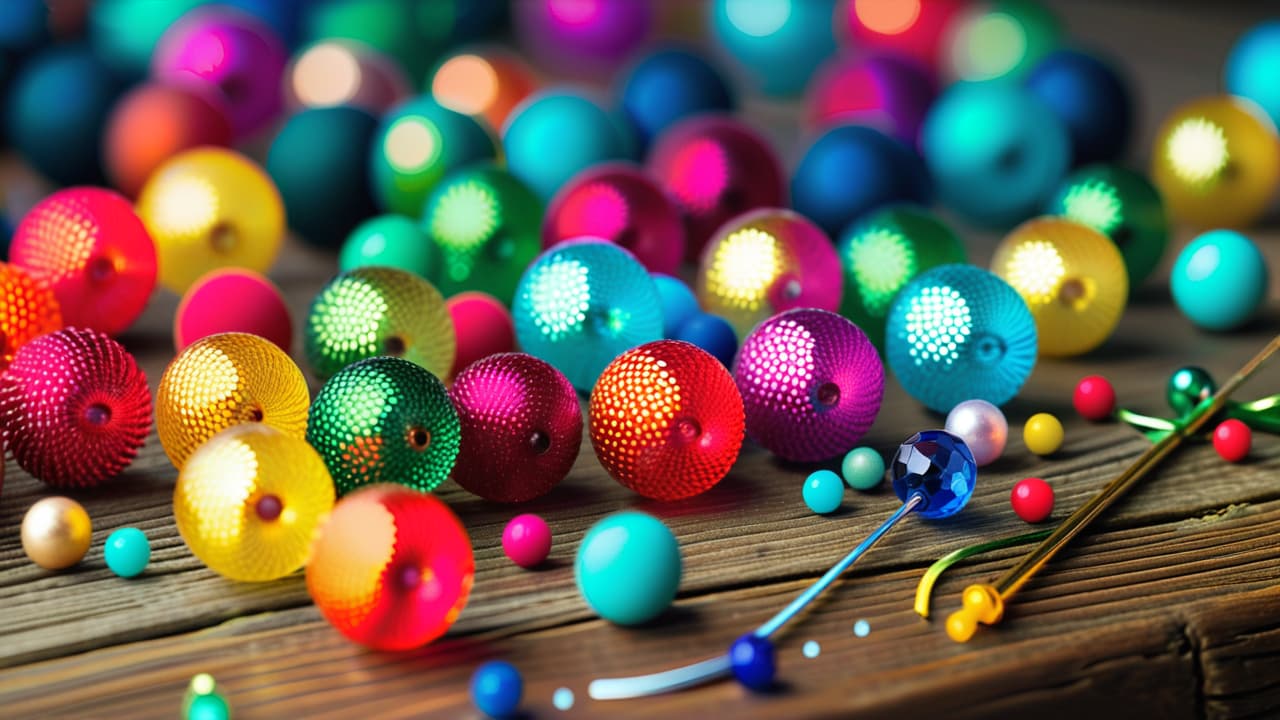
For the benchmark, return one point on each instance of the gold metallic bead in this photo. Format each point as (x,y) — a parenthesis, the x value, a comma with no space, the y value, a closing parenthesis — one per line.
(56,532)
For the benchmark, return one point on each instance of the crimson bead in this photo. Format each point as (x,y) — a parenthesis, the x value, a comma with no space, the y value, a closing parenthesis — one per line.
(1232,439)
(1032,499)
(1094,398)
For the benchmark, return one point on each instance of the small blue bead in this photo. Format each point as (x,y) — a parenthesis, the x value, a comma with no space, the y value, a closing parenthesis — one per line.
(823,491)
(711,333)
(752,660)
(939,467)
(678,303)
(127,552)
(496,688)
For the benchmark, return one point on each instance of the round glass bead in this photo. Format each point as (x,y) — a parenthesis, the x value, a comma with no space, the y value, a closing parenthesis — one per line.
(496,688)
(863,468)
(1232,439)
(127,552)
(1219,280)
(628,567)
(1187,388)
(938,467)
(527,540)
(1094,398)
(1032,499)
(753,661)
(1042,434)
(823,491)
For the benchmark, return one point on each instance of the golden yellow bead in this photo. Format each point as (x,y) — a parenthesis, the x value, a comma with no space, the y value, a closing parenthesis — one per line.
(56,532)
(1042,434)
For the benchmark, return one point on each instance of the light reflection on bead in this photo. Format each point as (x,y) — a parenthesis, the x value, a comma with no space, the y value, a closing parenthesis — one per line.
(1122,205)
(28,311)
(982,427)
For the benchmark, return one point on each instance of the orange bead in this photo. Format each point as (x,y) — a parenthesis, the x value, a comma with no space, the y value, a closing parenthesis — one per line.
(27,309)
(485,82)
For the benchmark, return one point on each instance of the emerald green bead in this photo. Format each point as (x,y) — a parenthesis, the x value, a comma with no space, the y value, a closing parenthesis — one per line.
(1122,205)
(391,241)
(384,420)
(883,252)
(1187,388)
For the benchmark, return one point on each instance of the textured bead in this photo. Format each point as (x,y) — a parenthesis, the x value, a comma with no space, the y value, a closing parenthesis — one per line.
(384,420)
(521,427)
(937,466)
(28,309)
(225,380)
(376,311)
(75,408)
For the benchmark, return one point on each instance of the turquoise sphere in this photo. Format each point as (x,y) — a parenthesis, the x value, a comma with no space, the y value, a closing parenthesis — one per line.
(863,468)
(778,42)
(127,552)
(556,134)
(1219,280)
(391,241)
(823,491)
(1251,68)
(628,568)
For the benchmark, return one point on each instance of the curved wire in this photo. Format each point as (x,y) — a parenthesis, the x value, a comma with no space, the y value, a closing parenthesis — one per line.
(925,589)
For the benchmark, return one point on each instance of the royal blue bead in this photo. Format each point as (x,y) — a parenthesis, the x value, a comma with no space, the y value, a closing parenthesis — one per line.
(711,333)
(937,466)
(1090,98)
(670,85)
(678,303)
(127,552)
(496,689)
(752,660)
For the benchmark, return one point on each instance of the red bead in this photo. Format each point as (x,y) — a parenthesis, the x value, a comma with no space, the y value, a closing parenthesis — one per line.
(1232,439)
(1095,398)
(1032,499)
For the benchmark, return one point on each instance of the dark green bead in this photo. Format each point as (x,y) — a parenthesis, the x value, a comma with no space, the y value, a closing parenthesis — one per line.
(1122,205)
(384,420)
(1187,388)
(391,241)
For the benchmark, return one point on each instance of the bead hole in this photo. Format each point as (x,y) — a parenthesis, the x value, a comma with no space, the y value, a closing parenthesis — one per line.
(101,269)
(268,508)
(393,346)
(828,394)
(97,414)
(255,414)
(539,442)
(223,238)
(419,438)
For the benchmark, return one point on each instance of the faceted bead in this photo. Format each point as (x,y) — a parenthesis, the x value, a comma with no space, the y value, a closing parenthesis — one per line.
(939,467)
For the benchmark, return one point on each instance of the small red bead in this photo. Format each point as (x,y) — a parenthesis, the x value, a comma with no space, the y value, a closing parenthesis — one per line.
(1232,439)
(1032,499)
(1095,398)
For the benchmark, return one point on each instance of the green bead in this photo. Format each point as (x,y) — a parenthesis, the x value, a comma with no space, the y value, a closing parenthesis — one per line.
(391,241)
(125,32)
(127,552)
(1187,388)
(487,225)
(208,707)
(863,468)
(411,32)
(384,420)
(1122,205)
(883,252)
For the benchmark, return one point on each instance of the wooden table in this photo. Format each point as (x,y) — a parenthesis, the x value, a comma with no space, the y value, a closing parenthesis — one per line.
(1170,607)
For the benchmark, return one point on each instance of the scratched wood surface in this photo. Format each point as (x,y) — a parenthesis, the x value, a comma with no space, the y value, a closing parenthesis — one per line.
(1170,607)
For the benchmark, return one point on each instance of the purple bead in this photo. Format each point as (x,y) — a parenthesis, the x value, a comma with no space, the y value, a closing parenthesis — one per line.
(811,384)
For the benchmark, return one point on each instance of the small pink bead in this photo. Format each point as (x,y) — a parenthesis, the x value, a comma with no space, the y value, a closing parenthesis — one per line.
(527,540)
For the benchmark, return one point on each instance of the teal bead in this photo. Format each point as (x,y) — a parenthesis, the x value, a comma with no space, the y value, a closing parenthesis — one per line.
(863,468)
(823,491)
(127,552)
(208,707)
(628,568)
(1219,280)
(391,241)
(580,131)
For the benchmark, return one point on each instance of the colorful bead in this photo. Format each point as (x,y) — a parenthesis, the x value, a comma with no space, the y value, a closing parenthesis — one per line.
(232,300)
(668,85)
(777,42)
(391,241)
(392,568)
(582,39)
(679,304)
(225,380)
(1094,398)
(1122,205)
(378,311)
(823,492)
(1232,439)
(56,532)
(76,408)
(365,78)
(483,327)
(211,706)
(1042,434)
(1250,64)
(29,311)
(249,500)
(596,137)
(914,29)
(886,92)
(127,552)
(156,121)
(863,468)
(666,420)
(516,411)
(753,661)
(526,540)
(999,39)
(1219,280)
(711,333)
(89,247)
(628,568)
(982,427)
(1092,100)
(1187,388)
(496,689)
(811,384)
(384,420)
(487,82)
(937,467)
(1032,499)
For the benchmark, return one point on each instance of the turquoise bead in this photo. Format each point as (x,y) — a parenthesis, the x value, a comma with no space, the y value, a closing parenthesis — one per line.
(823,491)
(208,707)
(628,568)
(1219,280)
(127,552)
(863,468)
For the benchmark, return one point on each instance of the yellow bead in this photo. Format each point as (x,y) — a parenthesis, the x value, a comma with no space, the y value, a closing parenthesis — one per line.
(223,380)
(1042,434)
(1216,161)
(56,532)
(248,502)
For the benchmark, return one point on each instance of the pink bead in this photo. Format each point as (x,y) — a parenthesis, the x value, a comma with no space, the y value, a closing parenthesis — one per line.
(1232,439)
(483,327)
(1094,398)
(885,92)
(232,300)
(1032,499)
(527,540)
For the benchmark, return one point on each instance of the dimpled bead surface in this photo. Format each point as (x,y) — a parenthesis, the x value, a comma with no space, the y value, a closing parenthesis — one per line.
(374,311)
(209,208)
(811,384)
(958,332)
(666,420)
(392,568)
(521,427)
(1072,278)
(937,466)
(1122,205)
(248,502)
(28,310)
(765,262)
(225,380)
(89,247)
(884,251)
(75,408)
(485,224)
(385,420)
(581,304)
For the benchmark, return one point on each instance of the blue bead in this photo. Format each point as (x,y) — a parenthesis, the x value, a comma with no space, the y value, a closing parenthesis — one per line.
(678,303)
(1251,67)
(670,85)
(628,567)
(581,133)
(209,707)
(127,552)
(778,42)
(24,25)
(823,491)
(496,689)
(851,170)
(1090,98)
(937,466)
(711,333)
(753,662)
(1219,280)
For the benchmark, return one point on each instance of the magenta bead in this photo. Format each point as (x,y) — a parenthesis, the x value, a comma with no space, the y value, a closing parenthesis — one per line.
(236,53)
(811,384)
(582,37)
(886,93)
(527,540)
(715,168)
(618,203)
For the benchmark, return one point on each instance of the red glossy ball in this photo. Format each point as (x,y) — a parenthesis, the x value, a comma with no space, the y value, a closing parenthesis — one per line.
(93,251)
(1032,499)
(232,300)
(1232,439)
(1094,398)
(483,327)
(521,427)
(666,420)
(75,406)
(618,203)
